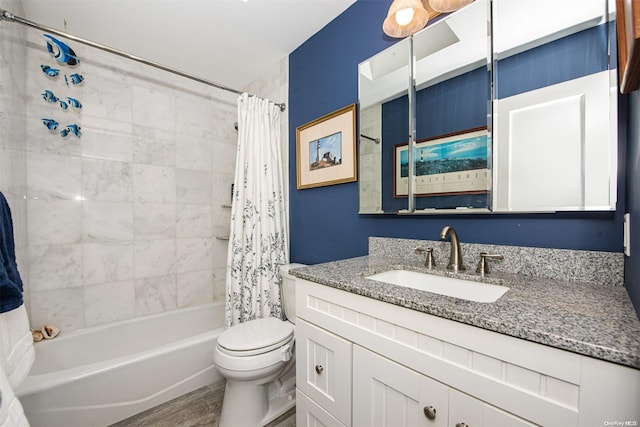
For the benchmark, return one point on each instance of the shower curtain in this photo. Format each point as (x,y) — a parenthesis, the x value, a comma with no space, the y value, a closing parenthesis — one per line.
(258,239)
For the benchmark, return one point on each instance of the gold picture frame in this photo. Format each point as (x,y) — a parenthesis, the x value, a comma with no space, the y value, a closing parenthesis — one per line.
(326,150)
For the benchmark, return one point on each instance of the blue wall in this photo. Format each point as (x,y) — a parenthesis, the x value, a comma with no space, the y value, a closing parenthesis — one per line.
(632,263)
(324,221)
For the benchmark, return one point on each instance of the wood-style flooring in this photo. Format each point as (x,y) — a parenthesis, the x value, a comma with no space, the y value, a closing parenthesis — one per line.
(200,408)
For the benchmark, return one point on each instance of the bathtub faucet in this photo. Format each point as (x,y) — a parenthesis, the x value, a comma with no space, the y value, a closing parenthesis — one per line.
(455,260)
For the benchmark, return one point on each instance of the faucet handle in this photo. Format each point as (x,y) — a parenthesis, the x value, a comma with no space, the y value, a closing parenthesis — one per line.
(483,266)
(430,261)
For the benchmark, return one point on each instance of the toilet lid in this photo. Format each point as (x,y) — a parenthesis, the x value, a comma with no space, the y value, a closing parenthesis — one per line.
(256,334)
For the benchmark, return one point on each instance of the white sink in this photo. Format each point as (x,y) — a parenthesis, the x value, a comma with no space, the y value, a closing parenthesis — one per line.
(458,288)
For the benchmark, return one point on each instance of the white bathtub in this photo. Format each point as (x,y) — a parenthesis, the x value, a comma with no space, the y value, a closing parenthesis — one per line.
(97,376)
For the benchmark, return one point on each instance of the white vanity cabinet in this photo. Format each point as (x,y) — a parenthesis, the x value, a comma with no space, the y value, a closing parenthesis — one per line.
(388,394)
(385,365)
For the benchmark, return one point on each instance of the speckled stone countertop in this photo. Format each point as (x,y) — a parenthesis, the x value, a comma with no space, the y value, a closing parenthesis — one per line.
(585,318)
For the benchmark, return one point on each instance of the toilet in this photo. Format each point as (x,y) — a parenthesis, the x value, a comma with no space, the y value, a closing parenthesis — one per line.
(257,358)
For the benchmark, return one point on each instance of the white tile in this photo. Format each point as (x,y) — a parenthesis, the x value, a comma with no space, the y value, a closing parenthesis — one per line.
(155,294)
(153,109)
(193,221)
(194,254)
(193,186)
(154,184)
(53,222)
(154,258)
(153,221)
(195,288)
(55,267)
(104,221)
(220,249)
(219,283)
(154,146)
(111,98)
(109,302)
(193,116)
(223,158)
(221,188)
(63,308)
(52,176)
(193,153)
(107,262)
(106,180)
(13,167)
(108,144)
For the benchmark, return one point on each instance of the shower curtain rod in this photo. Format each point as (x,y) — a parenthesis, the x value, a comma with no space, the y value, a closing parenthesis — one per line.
(8,16)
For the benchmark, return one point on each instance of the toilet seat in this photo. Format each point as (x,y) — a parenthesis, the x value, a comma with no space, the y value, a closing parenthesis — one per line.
(255,337)
(255,344)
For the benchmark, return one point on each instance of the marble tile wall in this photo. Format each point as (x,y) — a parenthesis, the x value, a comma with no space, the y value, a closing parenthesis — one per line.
(12,130)
(122,222)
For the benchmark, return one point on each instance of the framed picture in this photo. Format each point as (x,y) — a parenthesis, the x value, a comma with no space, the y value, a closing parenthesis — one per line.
(326,149)
(456,163)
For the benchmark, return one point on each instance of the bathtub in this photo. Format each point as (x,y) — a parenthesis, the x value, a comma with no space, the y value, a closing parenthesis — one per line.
(100,375)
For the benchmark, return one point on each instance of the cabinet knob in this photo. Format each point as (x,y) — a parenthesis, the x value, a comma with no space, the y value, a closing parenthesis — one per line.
(462,425)
(319,369)
(430,412)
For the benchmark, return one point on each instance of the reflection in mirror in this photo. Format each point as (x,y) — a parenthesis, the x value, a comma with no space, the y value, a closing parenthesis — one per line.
(552,114)
(453,83)
(452,94)
(555,112)
(381,79)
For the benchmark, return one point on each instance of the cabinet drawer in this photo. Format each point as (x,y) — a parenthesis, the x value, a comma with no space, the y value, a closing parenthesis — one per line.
(309,413)
(323,369)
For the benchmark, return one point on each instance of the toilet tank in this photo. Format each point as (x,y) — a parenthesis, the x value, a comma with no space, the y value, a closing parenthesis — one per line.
(288,291)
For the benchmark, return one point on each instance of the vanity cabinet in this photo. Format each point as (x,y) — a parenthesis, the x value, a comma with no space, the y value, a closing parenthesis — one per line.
(382,365)
(386,393)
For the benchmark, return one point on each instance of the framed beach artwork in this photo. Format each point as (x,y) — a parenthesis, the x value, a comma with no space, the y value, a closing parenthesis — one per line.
(326,149)
(449,164)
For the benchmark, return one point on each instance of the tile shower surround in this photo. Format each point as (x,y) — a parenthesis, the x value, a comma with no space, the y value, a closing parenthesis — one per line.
(12,129)
(122,221)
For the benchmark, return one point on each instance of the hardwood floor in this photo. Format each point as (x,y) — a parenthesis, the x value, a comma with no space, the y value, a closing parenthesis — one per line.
(200,408)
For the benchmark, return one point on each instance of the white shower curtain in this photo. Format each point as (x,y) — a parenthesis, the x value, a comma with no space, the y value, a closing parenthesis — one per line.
(258,240)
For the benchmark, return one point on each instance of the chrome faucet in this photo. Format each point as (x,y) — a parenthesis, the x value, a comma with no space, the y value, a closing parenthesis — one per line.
(455,260)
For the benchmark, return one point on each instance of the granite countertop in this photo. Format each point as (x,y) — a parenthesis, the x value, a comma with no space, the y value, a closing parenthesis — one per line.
(585,318)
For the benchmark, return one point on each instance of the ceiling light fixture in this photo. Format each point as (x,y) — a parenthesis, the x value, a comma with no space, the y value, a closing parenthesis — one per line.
(405,17)
(445,6)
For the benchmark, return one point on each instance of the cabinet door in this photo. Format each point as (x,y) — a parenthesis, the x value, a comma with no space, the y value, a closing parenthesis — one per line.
(323,369)
(388,394)
(310,414)
(466,411)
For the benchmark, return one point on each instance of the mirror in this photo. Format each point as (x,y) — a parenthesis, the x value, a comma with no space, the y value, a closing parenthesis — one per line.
(382,79)
(452,93)
(555,106)
(554,147)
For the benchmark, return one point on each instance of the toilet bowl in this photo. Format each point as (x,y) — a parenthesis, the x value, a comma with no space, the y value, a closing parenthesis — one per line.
(257,358)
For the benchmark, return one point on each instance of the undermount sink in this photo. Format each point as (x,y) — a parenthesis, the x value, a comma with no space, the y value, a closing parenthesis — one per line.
(458,288)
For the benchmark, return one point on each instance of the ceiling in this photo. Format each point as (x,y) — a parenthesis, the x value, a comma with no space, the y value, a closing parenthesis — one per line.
(228,42)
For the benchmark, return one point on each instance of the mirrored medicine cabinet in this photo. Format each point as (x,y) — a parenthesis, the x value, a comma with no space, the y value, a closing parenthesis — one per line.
(502,106)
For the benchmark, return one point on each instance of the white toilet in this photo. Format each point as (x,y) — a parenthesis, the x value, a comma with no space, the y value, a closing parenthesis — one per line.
(257,358)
